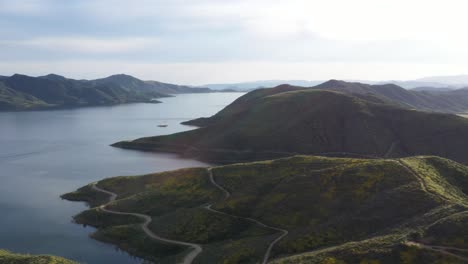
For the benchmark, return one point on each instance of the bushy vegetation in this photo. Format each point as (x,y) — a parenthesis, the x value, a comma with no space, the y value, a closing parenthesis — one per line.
(10,258)
(209,226)
(380,250)
(133,240)
(452,232)
(88,195)
(323,201)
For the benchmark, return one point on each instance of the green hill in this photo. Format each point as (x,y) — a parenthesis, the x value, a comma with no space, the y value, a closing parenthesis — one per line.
(283,121)
(11,258)
(334,209)
(14,100)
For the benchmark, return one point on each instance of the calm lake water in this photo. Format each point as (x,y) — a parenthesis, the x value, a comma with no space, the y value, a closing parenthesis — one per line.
(48,153)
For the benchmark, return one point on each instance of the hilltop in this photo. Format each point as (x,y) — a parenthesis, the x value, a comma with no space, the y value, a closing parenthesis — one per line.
(423,96)
(287,120)
(308,209)
(21,92)
(11,258)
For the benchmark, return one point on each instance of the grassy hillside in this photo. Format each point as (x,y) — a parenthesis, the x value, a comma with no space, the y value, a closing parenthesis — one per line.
(11,258)
(13,100)
(271,123)
(173,200)
(324,203)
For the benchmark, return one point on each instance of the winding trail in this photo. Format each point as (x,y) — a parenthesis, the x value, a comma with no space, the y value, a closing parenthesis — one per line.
(188,259)
(440,249)
(424,186)
(227,194)
(419,178)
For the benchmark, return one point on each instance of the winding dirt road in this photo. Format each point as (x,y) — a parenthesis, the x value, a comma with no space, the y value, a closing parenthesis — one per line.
(188,259)
(227,194)
(197,249)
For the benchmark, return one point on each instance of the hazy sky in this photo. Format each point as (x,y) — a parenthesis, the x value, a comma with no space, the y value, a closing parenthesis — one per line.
(210,41)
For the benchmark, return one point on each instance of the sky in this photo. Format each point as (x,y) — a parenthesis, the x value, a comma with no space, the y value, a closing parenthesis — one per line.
(221,41)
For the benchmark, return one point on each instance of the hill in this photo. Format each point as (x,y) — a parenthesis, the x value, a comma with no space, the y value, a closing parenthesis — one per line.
(11,99)
(11,258)
(426,98)
(21,92)
(452,80)
(177,89)
(286,120)
(305,209)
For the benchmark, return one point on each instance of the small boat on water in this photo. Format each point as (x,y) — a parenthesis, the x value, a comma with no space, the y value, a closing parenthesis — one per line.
(162,125)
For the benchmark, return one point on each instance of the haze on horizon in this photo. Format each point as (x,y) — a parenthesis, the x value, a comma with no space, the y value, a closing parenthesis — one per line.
(208,41)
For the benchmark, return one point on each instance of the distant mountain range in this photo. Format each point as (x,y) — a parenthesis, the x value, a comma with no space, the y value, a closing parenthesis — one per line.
(432,100)
(21,92)
(248,86)
(335,117)
(428,83)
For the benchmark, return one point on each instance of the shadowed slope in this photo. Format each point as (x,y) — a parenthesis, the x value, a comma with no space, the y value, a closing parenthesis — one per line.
(283,121)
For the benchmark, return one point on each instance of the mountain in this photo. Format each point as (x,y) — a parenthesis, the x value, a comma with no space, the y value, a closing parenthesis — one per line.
(416,84)
(8,257)
(449,83)
(452,80)
(305,209)
(431,89)
(177,89)
(286,120)
(249,86)
(449,101)
(21,92)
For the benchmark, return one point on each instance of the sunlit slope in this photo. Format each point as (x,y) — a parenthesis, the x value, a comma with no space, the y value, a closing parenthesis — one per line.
(323,203)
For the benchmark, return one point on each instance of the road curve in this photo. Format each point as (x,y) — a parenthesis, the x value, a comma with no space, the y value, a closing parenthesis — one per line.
(188,259)
(227,194)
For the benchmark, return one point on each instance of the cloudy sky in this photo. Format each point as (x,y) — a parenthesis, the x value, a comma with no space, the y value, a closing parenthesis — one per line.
(212,41)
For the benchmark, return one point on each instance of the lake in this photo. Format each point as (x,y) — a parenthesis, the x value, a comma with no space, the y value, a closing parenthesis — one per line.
(44,154)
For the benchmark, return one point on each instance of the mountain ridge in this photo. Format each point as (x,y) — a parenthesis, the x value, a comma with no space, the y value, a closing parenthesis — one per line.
(21,92)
